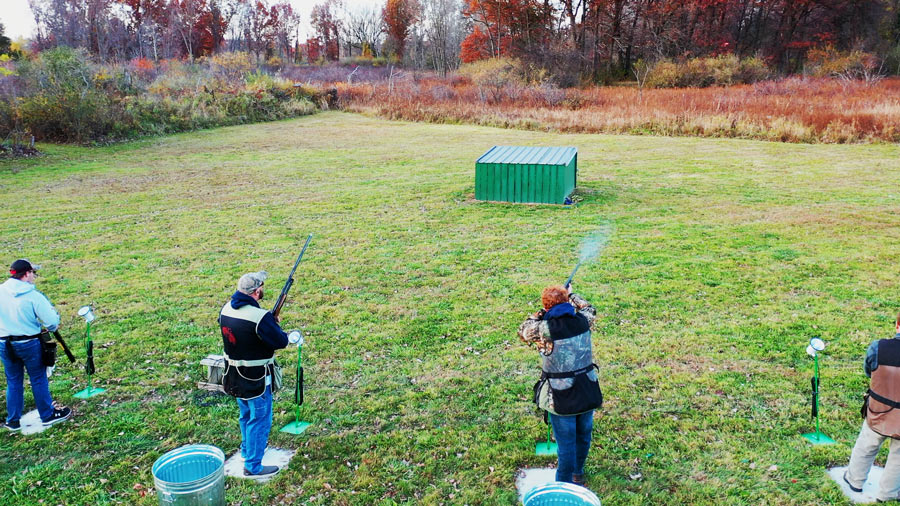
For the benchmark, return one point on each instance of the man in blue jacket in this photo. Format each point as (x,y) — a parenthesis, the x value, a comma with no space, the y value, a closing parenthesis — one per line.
(250,336)
(24,312)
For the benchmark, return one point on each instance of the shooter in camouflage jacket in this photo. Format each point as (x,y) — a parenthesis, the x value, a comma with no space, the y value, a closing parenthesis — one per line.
(536,330)
(568,389)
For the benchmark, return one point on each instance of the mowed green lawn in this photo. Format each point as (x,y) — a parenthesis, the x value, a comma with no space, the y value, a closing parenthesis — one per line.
(728,257)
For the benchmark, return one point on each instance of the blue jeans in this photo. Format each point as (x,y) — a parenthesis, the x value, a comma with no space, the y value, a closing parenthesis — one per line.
(29,354)
(573,439)
(256,420)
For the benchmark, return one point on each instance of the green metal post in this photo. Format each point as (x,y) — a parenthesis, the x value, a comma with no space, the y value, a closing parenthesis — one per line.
(87,340)
(90,391)
(817,438)
(299,360)
(547,448)
(816,360)
(297,427)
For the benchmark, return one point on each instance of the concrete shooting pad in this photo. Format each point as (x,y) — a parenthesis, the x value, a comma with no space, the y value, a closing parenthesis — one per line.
(528,478)
(280,457)
(870,487)
(32,424)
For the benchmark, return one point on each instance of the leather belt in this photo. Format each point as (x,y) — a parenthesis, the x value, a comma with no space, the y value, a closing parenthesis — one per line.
(19,338)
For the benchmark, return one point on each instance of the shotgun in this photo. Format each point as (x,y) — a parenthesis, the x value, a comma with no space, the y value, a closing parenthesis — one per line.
(65,348)
(572,276)
(276,309)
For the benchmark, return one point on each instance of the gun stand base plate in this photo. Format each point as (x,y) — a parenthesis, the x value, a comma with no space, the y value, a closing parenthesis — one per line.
(295,427)
(89,392)
(818,438)
(547,448)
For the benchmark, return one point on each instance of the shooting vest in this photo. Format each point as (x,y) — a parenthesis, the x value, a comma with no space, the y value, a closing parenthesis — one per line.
(248,359)
(883,406)
(568,384)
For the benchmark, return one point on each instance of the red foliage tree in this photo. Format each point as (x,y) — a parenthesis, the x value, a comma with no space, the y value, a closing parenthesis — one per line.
(313,50)
(506,27)
(260,26)
(399,16)
(286,22)
(326,26)
(475,47)
(210,27)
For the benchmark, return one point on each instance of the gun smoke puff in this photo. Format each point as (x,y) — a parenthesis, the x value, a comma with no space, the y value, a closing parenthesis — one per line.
(593,245)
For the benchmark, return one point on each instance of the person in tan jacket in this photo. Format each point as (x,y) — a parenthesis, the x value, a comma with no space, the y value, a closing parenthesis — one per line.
(882,419)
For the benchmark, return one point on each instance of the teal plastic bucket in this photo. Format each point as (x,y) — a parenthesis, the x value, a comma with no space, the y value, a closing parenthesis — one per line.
(557,493)
(192,475)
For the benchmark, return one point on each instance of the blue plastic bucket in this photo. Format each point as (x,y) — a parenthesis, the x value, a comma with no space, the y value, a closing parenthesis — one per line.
(557,493)
(190,475)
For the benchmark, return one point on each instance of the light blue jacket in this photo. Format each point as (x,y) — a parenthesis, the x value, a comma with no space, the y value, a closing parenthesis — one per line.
(23,309)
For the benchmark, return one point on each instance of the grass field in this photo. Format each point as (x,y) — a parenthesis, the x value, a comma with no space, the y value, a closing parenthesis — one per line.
(729,255)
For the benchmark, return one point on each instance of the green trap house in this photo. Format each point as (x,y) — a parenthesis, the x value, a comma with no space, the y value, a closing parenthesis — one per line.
(542,175)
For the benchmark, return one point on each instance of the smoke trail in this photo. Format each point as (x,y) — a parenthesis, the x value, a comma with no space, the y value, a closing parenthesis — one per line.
(594,244)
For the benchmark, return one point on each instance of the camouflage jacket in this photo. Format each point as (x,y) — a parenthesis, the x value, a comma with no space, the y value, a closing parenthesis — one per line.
(535,329)
(564,341)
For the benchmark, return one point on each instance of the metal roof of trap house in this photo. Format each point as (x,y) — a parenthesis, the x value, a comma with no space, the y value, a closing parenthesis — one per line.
(529,155)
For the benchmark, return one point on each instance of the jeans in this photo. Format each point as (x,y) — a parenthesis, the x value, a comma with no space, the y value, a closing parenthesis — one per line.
(862,456)
(29,358)
(256,421)
(573,440)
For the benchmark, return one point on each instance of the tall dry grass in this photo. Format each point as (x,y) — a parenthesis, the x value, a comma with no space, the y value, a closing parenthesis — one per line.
(788,110)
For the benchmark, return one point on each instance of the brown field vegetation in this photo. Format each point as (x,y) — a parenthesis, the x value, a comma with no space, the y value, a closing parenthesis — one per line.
(789,110)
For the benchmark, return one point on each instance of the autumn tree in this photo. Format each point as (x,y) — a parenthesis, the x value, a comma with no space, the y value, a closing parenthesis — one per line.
(286,22)
(313,49)
(214,24)
(399,16)
(595,40)
(326,27)
(506,27)
(258,28)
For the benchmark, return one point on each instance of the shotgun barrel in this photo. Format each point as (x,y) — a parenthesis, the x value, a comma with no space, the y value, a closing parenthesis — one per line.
(276,309)
(572,276)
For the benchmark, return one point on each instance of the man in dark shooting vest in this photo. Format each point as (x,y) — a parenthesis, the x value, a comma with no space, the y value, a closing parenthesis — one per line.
(250,336)
(568,389)
(882,419)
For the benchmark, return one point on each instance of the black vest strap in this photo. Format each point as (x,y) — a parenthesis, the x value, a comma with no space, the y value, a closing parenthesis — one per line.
(884,400)
(570,374)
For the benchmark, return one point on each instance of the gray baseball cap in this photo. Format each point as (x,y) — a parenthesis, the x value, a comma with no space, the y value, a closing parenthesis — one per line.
(251,281)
